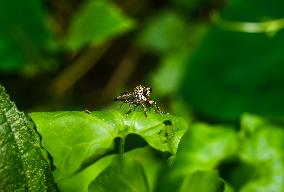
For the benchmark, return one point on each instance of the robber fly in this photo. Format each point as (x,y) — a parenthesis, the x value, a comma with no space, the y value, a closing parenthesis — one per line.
(139,96)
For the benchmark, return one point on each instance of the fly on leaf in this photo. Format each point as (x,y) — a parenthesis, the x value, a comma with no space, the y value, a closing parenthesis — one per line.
(139,96)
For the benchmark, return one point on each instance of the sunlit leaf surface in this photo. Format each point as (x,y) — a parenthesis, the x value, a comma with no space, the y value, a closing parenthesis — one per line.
(76,139)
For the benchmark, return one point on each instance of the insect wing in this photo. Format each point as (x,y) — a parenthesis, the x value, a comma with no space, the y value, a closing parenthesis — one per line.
(126,96)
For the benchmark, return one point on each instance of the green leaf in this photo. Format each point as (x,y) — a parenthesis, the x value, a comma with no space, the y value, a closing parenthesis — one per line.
(81,180)
(151,164)
(166,80)
(165,32)
(204,147)
(21,46)
(22,164)
(207,181)
(262,147)
(77,139)
(95,23)
(122,175)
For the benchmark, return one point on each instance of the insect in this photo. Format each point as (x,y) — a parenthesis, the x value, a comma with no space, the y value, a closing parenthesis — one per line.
(139,96)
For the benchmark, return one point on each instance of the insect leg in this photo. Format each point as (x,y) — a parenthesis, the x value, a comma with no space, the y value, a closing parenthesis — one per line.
(145,109)
(136,106)
(122,104)
(129,111)
(87,111)
(157,108)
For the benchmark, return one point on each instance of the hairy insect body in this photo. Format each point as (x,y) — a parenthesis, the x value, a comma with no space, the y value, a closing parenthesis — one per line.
(139,96)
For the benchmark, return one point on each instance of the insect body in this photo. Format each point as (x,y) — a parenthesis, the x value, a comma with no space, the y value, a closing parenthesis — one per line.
(139,96)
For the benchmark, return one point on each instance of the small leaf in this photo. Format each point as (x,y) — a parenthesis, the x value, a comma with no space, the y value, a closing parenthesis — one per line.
(164,33)
(95,23)
(208,181)
(166,80)
(122,175)
(22,164)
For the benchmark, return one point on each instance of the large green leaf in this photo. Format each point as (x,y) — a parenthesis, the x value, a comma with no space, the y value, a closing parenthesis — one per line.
(123,175)
(96,22)
(77,139)
(22,163)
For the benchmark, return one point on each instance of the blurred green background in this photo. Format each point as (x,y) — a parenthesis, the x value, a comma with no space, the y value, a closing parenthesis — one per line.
(214,59)
(206,60)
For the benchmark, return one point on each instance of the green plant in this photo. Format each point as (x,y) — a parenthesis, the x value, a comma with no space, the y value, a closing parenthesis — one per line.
(78,141)
(79,149)
(22,163)
(209,61)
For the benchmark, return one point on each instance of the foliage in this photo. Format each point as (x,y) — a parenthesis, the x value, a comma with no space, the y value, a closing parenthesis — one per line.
(209,179)
(126,175)
(256,152)
(23,166)
(211,62)
(77,139)
(244,67)
(262,147)
(97,21)
(84,158)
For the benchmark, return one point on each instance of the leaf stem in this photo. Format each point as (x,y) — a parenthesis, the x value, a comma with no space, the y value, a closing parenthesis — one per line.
(121,147)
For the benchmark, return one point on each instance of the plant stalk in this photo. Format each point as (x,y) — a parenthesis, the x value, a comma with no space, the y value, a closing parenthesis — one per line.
(121,147)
